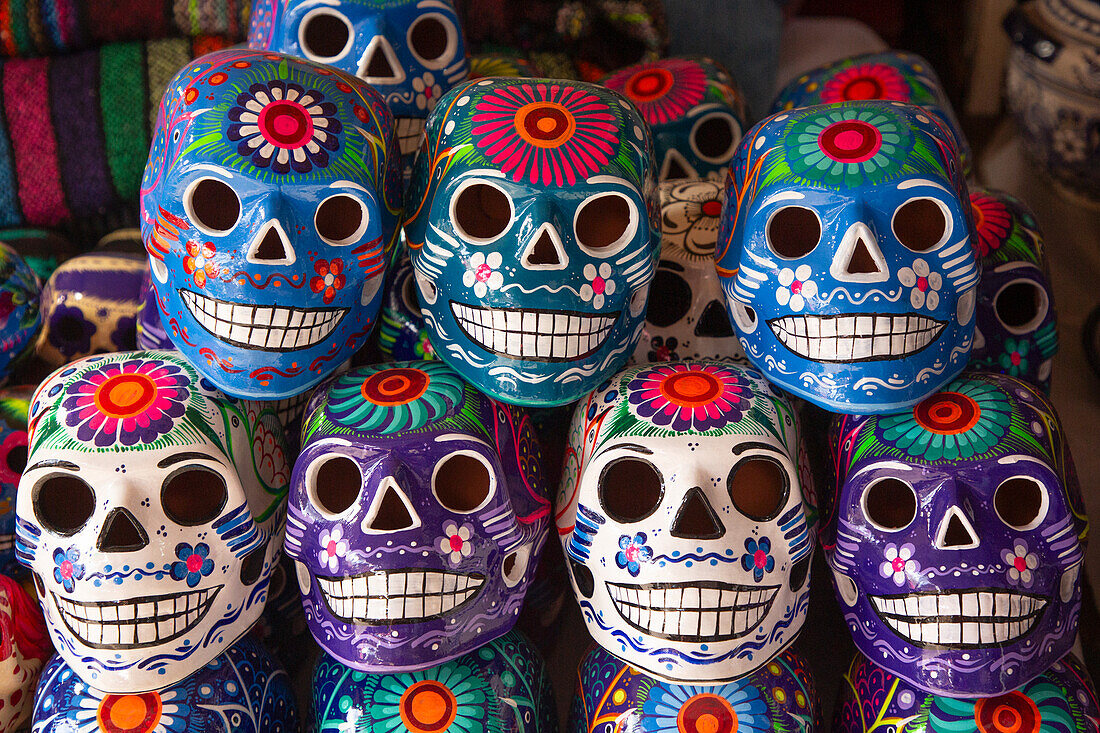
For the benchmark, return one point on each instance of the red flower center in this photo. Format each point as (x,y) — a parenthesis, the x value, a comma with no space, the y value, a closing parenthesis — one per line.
(1020,563)
(194,563)
(631,553)
(483,273)
(330,548)
(456,543)
(1015,358)
(712,209)
(286,124)
(598,285)
(864,87)
(897,564)
(850,141)
(922,284)
(796,287)
(66,569)
(760,559)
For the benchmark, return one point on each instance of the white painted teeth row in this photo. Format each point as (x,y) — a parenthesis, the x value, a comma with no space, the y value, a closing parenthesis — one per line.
(397,596)
(834,339)
(977,605)
(692,624)
(134,623)
(967,632)
(707,599)
(538,335)
(262,326)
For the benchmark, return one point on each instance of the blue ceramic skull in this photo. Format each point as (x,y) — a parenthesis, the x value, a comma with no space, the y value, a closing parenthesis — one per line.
(402,335)
(410,51)
(693,107)
(269,204)
(847,256)
(20,316)
(533,231)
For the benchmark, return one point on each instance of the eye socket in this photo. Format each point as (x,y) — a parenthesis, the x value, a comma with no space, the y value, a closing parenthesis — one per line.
(758,487)
(604,223)
(325,35)
(334,485)
(16,459)
(630,489)
(194,495)
(408,296)
(674,299)
(462,482)
(63,503)
(481,212)
(432,39)
(793,232)
(715,136)
(213,205)
(1021,502)
(890,504)
(1021,305)
(341,219)
(920,224)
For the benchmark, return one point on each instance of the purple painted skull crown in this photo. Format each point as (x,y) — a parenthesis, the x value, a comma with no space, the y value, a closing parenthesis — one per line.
(957,537)
(417,518)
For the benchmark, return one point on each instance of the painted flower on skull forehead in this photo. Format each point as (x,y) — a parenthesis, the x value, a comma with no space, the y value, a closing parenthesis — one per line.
(866,81)
(284,126)
(663,90)
(992,222)
(689,396)
(847,146)
(393,399)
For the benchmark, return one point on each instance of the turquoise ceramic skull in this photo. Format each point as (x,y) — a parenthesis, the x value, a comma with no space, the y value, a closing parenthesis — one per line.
(533,230)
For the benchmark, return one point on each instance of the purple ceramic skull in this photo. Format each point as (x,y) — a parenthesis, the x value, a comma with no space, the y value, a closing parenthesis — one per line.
(1061,699)
(1016,328)
(418,515)
(957,537)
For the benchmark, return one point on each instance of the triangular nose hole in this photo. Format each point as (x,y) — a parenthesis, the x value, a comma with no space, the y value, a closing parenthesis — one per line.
(379,66)
(715,322)
(543,252)
(121,533)
(391,511)
(675,171)
(696,520)
(861,261)
(955,532)
(675,167)
(271,247)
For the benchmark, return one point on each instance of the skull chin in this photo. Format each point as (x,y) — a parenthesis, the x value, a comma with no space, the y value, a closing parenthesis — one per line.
(697,611)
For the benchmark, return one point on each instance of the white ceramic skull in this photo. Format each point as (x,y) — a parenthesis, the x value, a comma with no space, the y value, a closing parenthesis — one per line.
(683,518)
(151,512)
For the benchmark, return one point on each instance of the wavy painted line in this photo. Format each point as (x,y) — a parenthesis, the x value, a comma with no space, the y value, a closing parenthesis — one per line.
(256,282)
(211,358)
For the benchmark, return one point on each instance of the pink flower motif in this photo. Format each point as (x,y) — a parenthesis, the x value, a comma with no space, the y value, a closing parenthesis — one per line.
(455,543)
(599,284)
(333,547)
(866,81)
(899,563)
(663,90)
(545,133)
(1020,563)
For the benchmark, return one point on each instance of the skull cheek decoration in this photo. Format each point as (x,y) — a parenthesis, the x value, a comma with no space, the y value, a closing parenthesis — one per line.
(694,109)
(958,537)
(150,514)
(269,205)
(846,255)
(683,521)
(417,517)
(686,317)
(891,76)
(534,235)
(1017,328)
(410,51)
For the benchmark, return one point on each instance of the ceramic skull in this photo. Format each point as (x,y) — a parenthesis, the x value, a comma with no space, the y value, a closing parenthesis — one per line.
(24,648)
(686,317)
(269,205)
(614,697)
(683,519)
(533,231)
(402,334)
(417,516)
(14,404)
(694,108)
(20,314)
(1016,329)
(410,51)
(1061,699)
(957,537)
(846,254)
(890,76)
(150,514)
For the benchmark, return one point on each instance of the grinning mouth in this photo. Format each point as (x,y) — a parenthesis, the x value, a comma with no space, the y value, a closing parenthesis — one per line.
(855,338)
(290,408)
(698,611)
(534,335)
(135,623)
(409,131)
(398,596)
(960,620)
(269,328)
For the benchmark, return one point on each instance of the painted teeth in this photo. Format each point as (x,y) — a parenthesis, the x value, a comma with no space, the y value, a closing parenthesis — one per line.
(960,619)
(409,130)
(398,596)
(534,335)
(289,408)
(135,623)
(711,611)
(834,338)
(270,328)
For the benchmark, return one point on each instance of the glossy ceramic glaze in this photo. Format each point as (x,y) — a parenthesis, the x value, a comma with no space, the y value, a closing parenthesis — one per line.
(20,315)
(847,254)
(402,333)
(150,513)
(958,536)
(533,230)
(268,220)
(684,521)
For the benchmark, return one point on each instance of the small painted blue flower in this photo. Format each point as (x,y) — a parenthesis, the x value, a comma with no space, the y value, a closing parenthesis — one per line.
(69,568)
(757,557)
(634,552)
(193,563)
